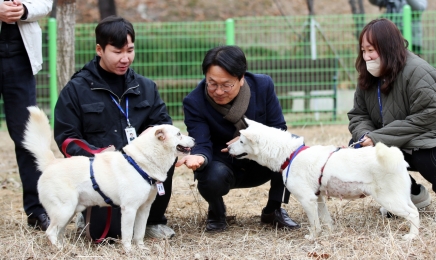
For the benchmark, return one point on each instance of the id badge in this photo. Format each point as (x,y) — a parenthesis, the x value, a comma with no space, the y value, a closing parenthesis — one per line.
(160,188)
(130,134)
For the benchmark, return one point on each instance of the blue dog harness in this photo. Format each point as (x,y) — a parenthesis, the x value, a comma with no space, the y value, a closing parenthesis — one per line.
(95,186)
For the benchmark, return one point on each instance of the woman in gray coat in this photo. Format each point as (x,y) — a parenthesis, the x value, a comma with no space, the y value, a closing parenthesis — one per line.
(395,101)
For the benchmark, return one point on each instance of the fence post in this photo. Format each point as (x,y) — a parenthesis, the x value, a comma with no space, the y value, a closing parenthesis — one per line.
(230,32)
(407,25)
(52,36)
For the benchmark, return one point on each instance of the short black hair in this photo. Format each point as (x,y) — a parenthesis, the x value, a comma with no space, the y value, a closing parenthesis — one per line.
(113,30)
(230,57)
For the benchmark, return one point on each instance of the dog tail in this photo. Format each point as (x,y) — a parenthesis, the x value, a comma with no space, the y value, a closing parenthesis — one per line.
(37,137)
(391,158)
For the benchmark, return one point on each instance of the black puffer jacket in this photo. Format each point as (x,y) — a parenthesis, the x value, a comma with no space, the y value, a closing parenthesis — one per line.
(86,111)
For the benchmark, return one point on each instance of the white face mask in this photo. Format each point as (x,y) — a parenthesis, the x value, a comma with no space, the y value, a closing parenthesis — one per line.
(373,67)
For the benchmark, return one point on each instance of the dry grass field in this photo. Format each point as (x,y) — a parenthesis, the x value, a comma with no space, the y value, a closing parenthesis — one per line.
(361,233)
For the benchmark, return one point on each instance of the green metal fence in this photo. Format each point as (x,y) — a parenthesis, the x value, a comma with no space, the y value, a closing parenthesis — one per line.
(311,59)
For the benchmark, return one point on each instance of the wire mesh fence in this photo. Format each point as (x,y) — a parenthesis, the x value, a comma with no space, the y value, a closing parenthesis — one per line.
(310,58)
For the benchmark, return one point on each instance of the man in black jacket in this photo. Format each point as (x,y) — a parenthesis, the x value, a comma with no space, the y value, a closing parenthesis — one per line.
(104,104)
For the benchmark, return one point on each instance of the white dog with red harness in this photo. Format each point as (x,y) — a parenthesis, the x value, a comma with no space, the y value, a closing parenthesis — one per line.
(311,173)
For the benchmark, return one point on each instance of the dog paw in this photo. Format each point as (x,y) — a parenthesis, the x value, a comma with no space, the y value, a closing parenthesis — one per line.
(127,248)
(142,247)
(309,237)
(409,237)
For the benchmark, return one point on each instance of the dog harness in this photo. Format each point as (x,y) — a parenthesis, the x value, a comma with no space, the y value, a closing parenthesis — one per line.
(96,187)
(295,153)
(322,171)
(291,158)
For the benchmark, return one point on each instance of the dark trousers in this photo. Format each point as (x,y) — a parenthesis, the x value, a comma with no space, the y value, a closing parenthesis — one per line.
(18,90)
(218,178)
(424,162)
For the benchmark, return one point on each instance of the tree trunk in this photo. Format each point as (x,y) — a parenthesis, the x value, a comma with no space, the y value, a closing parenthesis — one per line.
(106,8)
(66,21)
(358,16)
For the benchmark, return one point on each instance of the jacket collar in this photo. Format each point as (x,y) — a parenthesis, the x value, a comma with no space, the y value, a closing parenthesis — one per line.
(90,73)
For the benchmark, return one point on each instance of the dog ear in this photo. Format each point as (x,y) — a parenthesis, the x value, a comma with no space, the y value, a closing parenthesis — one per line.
(160,134)
(252,138)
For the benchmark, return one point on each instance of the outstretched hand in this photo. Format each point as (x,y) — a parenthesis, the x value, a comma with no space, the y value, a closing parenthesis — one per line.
(193,162)
(226,150)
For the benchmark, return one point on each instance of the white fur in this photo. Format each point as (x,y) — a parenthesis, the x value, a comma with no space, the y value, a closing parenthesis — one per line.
(65,187)
(349,173)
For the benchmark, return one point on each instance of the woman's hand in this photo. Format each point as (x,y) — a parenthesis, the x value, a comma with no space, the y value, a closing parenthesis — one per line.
(366,141)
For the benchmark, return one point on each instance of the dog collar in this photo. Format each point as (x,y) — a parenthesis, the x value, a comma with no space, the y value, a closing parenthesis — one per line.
(139,170)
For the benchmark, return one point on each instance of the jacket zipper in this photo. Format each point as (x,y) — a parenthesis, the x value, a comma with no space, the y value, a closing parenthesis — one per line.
(119,98)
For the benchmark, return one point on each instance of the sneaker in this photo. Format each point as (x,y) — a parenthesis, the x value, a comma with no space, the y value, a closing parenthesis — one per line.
(421,200)
(159,231)
(80,221)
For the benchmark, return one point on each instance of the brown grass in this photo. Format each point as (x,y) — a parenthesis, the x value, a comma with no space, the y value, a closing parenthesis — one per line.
(361,233)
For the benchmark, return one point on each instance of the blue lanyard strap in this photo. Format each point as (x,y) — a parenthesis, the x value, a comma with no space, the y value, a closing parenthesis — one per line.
(126,114)
(380,103)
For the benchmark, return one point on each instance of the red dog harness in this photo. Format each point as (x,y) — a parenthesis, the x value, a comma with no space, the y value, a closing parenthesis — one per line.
(295,153)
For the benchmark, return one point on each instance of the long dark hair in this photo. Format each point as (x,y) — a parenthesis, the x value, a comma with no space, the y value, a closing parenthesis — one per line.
(392,49)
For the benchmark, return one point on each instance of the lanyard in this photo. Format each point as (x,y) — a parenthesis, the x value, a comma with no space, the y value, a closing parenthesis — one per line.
(380,103)
(126,114)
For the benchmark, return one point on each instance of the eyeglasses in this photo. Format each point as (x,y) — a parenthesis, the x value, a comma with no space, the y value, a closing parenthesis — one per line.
(224,87)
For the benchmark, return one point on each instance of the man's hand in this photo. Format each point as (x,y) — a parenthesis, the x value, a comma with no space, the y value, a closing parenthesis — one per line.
(193,162)
(110,148)
(11,12)
(226,150)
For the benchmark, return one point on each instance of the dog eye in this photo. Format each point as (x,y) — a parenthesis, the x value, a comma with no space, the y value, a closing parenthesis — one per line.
(178,134)
(241,142)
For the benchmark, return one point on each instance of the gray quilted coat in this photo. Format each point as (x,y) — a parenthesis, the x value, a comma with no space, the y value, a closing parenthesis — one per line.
(409,110)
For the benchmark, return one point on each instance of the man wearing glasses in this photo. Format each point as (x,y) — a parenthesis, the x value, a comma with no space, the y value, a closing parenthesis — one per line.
(214,114)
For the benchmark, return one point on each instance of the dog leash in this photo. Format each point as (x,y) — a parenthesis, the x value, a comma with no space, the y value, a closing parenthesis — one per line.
(85,147)
(81,144)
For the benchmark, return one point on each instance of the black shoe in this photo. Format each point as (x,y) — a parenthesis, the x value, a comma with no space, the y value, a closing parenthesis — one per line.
(42,221)
(280,218)
(215,223)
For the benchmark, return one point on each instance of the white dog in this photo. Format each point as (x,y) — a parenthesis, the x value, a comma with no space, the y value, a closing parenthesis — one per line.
(320,171)
(65,187)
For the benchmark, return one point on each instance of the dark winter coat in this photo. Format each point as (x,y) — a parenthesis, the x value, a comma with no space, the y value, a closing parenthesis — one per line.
(211,131)
(85,109)
(409,110)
